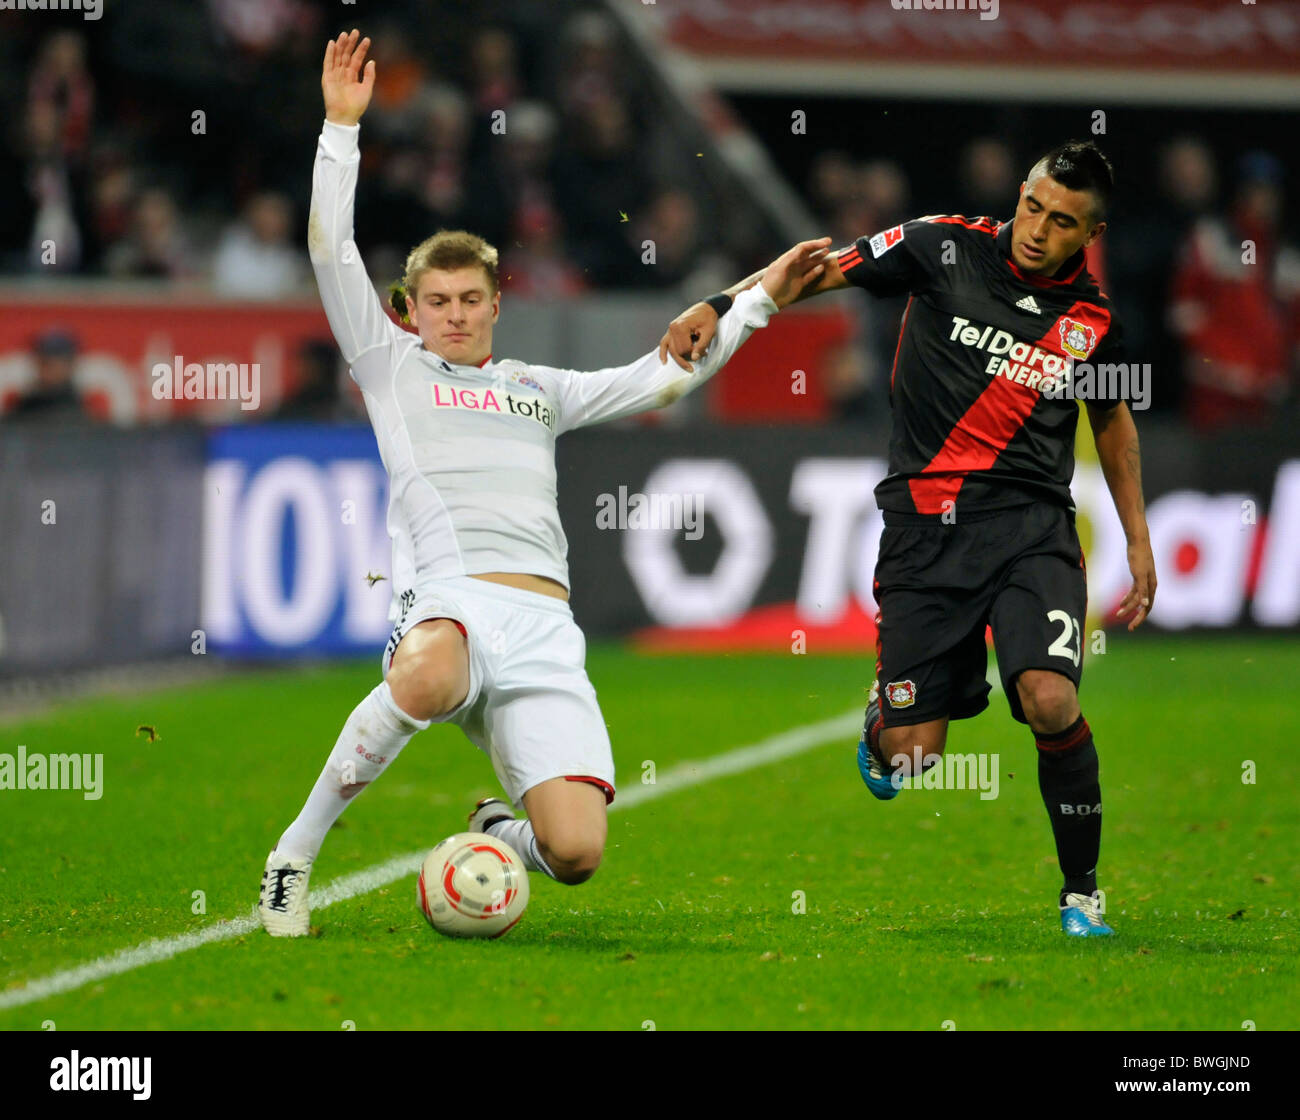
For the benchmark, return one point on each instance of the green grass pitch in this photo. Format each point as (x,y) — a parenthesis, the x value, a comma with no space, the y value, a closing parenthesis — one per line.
(937,907)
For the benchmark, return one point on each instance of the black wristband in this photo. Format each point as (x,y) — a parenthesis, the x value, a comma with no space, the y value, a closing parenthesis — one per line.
(720,303)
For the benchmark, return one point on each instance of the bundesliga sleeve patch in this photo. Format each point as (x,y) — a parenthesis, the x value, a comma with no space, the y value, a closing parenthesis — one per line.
(882,242)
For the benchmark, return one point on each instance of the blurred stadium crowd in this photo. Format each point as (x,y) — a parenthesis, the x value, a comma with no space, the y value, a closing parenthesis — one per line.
(130,191)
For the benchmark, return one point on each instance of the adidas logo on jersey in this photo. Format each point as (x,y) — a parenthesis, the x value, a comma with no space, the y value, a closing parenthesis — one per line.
(1029,305)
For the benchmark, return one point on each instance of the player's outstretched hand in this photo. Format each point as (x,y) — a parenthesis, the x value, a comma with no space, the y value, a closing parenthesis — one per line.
(1143,592)
(688,336)
(347,90)
(794,270)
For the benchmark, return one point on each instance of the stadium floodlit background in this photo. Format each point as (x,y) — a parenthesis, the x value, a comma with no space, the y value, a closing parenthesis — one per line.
(187,586)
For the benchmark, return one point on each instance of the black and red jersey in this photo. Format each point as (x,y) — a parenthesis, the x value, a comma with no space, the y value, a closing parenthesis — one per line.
(979,342)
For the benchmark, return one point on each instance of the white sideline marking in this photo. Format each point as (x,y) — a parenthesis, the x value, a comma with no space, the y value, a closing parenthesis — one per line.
(792,742)
(784,745)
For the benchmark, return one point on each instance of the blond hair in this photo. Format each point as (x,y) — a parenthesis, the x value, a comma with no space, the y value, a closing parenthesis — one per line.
(445,250)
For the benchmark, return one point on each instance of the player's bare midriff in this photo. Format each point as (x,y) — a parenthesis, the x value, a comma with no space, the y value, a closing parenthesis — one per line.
(540,584)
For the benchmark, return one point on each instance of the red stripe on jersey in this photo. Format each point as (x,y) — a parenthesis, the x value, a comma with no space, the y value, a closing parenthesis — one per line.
(974,444)
(902,326)
(984,225)
(999,412)
(849,258)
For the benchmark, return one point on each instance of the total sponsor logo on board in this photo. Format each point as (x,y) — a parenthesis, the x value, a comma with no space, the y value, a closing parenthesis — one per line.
(1221,561)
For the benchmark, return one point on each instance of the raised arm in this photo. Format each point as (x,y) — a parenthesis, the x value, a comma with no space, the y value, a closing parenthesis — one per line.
(830,280)
(905,258)
(346,90)
(648,383)
(355,314)
(651,382)
(688,336)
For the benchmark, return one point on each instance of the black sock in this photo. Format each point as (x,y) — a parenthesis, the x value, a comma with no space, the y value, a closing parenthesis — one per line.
(1068,779)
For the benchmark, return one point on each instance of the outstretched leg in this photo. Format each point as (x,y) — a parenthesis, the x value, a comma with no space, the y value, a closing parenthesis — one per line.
(429,677)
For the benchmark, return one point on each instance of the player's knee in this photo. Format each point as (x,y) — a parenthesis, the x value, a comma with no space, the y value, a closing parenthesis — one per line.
(430,681)
(1049,700)
(574,859)
(914,749)
(573,875)
(422,693)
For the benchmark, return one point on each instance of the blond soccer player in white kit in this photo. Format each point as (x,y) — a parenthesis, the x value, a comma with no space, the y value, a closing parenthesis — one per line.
(483,636)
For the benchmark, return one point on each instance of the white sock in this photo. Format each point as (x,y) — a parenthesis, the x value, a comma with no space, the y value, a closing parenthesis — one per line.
(519,835)
(374,734)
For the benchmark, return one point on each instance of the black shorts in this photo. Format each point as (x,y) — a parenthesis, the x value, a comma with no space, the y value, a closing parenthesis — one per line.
(939,586)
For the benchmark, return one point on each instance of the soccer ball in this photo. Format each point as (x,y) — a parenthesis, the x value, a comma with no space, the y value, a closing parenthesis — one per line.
(473,885)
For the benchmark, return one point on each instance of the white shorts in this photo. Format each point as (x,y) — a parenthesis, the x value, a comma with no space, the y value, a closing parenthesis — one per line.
(530,706)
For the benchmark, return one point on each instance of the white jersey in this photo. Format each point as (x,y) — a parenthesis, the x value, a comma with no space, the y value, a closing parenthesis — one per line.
(470,450)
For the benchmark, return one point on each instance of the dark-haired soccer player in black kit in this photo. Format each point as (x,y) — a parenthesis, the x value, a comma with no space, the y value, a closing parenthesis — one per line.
(1003,332)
